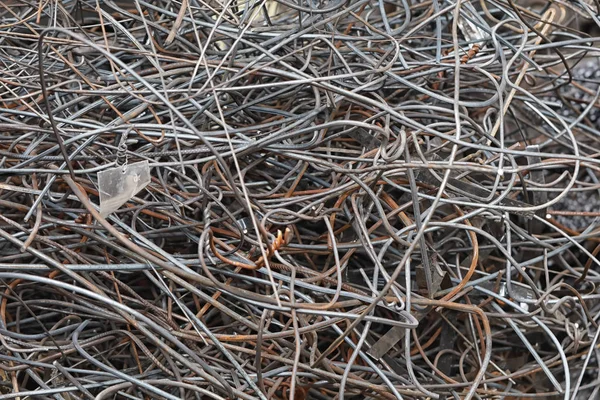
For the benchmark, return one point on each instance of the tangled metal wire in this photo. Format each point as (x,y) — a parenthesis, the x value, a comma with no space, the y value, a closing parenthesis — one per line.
(348,199)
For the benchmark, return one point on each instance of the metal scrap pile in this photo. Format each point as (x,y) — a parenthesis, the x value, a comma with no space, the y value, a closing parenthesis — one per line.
(299,199)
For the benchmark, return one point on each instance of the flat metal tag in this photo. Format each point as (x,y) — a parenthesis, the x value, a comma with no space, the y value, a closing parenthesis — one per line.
(118,185)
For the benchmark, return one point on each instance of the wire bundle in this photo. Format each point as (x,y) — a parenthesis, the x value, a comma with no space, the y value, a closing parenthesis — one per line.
(348,199)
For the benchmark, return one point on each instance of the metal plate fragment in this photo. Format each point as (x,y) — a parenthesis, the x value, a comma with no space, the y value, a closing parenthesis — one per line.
(118,185)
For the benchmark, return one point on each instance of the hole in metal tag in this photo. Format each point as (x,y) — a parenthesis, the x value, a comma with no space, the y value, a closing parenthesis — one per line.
(118,185)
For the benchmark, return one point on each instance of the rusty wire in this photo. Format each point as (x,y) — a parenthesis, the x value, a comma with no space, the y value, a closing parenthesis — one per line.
(348,199)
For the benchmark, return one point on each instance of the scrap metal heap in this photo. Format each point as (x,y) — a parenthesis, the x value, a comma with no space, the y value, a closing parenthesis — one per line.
(299,199)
